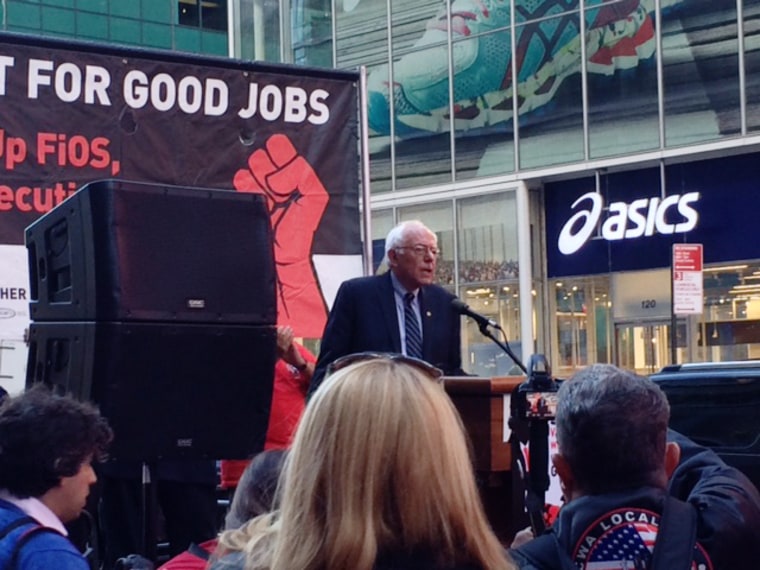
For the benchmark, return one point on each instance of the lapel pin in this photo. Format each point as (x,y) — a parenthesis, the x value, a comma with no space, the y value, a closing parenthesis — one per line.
(428,314)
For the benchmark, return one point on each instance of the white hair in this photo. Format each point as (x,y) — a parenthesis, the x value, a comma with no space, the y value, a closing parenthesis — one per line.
(396,236)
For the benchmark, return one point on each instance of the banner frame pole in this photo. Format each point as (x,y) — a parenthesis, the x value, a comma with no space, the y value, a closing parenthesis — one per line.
(364,160)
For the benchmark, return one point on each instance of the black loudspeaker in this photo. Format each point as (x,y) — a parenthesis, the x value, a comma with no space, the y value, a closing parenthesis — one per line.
(128,251)
(168,390)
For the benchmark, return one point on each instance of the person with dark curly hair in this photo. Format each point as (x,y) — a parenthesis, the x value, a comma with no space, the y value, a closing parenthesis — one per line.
(47,445)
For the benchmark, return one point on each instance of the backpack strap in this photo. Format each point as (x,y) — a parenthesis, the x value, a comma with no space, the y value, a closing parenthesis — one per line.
(14,531)
(25,537)
(198,551)
(676,536)
(10,527)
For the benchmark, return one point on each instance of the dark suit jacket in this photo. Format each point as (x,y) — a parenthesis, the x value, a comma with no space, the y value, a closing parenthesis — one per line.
(363,318)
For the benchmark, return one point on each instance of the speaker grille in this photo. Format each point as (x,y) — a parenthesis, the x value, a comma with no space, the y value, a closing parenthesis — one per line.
(168,391)
(123,251)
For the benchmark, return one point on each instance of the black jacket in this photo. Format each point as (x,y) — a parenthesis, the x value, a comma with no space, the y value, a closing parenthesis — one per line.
(728,518)
(363,318)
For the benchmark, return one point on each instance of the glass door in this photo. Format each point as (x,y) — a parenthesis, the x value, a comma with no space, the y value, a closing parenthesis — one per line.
(582,326)
(644,347)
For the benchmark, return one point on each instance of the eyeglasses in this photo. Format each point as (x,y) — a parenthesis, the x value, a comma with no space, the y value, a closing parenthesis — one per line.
(420,250)
(434,372)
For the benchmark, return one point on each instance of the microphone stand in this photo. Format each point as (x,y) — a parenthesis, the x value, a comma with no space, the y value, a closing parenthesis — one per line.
(537,477)
(485,331)
(538,474)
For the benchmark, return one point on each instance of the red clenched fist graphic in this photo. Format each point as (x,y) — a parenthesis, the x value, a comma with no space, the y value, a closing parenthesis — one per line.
(296,200)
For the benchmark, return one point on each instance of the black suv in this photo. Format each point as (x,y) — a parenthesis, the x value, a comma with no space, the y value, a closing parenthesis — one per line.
(717,404)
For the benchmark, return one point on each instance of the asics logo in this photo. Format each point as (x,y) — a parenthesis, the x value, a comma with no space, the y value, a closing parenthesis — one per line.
(641,217)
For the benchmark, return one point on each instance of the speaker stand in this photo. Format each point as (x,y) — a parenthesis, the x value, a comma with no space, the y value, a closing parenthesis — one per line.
(149,513)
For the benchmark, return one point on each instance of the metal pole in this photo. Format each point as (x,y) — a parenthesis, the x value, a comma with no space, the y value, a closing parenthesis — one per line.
(673,319)
(364,159)
(525,265)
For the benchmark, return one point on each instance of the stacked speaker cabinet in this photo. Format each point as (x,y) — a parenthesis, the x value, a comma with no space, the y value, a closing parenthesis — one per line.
(158,304)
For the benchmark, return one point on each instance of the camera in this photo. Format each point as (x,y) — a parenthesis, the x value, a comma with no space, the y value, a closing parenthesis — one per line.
(537,396)
(533,407)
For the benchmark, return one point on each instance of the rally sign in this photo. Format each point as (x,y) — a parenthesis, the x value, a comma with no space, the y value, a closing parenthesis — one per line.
(72,113)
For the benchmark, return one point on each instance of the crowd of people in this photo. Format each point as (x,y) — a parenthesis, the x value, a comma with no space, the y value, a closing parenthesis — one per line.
(477,271)
(375,472)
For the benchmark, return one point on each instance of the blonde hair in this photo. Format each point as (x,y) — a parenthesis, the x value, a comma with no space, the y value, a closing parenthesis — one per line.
(379,465)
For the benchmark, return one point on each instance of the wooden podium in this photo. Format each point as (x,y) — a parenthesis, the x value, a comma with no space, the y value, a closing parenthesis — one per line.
(483,404)
(484,410)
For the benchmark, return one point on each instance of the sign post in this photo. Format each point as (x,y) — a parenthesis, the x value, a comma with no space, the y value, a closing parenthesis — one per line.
(687,285)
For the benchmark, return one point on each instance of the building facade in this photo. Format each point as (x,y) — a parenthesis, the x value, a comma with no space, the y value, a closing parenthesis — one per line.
(493,120)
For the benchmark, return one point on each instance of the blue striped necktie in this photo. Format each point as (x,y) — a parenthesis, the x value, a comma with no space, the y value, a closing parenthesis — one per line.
(412,327)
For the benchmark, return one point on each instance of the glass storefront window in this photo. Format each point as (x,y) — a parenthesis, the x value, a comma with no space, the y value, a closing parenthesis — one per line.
(730,325)
(207,15)
(752,63)
(380,166)
(580,309)
(531,11)
(500,302)
(414,170)
(422,150)
(382,223)
(488,277)
(701,71)
(550,112)
(585,332)
(487,235)
(361,38)
(701,89)
(404,98)
(416,23)
(361,35)
(483,104)
(645,347)
(311,32)
(380,171)
(257,33)
(623,115)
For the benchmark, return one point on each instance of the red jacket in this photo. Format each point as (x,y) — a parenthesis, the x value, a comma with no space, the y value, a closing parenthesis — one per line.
(189,561)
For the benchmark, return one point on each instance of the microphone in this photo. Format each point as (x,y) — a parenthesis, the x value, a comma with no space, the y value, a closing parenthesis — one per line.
(464,309)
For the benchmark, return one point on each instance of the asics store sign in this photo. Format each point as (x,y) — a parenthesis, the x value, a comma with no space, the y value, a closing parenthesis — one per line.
(642,217)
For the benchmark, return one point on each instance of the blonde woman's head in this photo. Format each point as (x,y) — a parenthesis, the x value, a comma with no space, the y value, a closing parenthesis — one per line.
(380,464)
